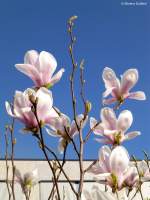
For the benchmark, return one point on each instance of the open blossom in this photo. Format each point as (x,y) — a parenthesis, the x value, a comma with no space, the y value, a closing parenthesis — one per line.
(144,171)
(40,68)
(23,105)
(111,129)
(120,89)
(114,167)
(27,181)
(62,127)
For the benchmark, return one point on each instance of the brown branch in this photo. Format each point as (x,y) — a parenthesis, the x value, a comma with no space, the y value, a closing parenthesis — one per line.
(13,142)
(7,166)
(64,160)
(140,182)
(90,131)
(66,176)
(79,127)
(71,139)
(44,150)
(90,166)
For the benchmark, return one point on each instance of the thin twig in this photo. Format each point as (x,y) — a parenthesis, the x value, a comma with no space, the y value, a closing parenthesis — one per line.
(66,176)
(7,166)
(90,131)
(44,150)
(64,160)
(90,166)
(13,142)
(140,182)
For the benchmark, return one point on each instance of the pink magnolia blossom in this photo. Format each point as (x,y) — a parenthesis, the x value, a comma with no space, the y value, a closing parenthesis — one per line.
(22,107)
(114,167)
(40,68)
(120,89)
(27,181)
(111,129)
(62,127)
(144,171)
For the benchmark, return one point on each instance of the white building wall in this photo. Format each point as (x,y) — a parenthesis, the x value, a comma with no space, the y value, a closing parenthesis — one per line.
(42,190)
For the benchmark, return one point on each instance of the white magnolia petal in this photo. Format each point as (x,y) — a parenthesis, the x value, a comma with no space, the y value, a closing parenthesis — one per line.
(108,91)
(57,76)
(109,101)
(103,140)
(129,79)
(44,103)
(119,160)
(98,130)
(52,133)
(108,118)
(125,120)
(74,129)
(132,135)
(47,63)
(18,176)
(139,95)
(131,176)
(104,156)
(31,72)
(142,167)
(31,57)
(8,109)
(110,78)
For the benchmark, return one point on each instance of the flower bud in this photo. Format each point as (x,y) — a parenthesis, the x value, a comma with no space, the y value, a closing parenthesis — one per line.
(88,106)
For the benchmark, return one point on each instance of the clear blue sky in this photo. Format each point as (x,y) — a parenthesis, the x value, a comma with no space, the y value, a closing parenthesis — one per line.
(108,34)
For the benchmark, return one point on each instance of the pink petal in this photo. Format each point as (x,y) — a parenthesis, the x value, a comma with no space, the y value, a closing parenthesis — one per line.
(132,135)
(44,104)
(104,156)
(109,101)
(129,79)
(110,78)
(108,118)
(111,81)
(58,124)
(119,160)
(47,63)
(131,176)
(74,129)
(31,72)
(8,109)
(104,140)
(31,57)
(139,95)
(108,91)
(51,115)
(57,77)
(125,120)
(98,130)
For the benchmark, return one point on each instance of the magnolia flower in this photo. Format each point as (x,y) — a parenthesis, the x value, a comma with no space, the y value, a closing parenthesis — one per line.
(114,167)
(62,127)
(112,129)
(144,171)
(27,181)
(40,68)
(120,89)
(131,177)
(22,108)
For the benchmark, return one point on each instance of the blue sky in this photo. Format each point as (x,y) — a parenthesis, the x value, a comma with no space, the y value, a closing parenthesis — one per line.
(108,34)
